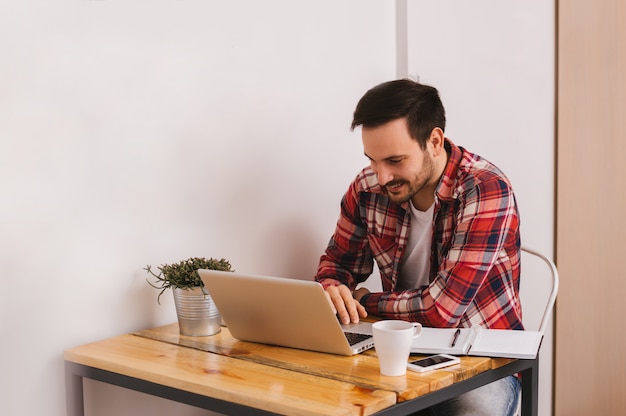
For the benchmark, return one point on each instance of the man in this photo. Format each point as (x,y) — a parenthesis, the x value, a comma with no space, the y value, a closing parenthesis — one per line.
(442,225)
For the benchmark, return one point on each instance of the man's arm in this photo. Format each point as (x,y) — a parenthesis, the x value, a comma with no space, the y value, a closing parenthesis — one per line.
(347,261)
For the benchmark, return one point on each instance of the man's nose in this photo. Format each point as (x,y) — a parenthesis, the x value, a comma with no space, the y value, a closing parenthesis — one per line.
(384,175)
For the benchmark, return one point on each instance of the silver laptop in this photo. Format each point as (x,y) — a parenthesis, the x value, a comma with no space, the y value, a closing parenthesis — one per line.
(282,311)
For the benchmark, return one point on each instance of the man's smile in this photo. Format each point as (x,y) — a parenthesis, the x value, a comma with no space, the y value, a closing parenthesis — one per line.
(394,186)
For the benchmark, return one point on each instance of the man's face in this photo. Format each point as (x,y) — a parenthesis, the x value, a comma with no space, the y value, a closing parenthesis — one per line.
(400,164)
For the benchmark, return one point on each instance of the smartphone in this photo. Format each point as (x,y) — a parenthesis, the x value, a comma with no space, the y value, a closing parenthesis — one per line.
(432,362)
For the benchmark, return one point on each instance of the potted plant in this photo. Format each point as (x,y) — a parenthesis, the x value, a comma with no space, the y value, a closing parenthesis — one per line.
(196,311)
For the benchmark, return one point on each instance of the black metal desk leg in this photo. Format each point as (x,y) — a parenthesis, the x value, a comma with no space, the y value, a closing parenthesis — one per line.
(530,390)
(74,400)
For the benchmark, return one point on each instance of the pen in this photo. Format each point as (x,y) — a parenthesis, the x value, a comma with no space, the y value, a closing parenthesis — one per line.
(456,335)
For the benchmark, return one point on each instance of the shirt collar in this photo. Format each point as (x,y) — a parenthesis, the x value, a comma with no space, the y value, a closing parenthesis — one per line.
(446,183)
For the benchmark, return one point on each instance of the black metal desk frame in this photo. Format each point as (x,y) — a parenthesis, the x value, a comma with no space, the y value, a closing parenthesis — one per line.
(74,374)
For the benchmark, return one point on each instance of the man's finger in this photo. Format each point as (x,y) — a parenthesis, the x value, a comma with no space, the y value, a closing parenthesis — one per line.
(351,305)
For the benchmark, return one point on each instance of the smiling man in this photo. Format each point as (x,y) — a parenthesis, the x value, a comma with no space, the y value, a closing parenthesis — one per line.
(442,225)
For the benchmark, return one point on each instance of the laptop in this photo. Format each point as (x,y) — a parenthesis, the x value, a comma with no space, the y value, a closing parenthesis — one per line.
(281,311)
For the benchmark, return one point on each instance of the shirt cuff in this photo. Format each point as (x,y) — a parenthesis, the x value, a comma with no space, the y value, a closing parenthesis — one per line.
(363,299)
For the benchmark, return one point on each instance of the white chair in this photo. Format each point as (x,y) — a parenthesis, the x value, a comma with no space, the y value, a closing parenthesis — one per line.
(534,286)
(536,289)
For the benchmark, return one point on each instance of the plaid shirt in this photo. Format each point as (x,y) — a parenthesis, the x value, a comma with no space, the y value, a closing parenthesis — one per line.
(475,257)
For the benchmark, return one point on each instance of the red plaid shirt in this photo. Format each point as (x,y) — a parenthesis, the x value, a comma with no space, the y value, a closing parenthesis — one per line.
(475,258)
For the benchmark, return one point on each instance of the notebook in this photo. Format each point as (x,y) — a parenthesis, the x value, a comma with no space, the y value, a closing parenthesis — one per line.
(281,311)
(479,341)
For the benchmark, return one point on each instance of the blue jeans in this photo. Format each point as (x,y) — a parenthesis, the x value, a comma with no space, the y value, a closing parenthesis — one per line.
(499,398)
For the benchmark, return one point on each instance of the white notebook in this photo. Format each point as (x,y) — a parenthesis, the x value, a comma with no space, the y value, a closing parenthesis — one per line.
(478,341)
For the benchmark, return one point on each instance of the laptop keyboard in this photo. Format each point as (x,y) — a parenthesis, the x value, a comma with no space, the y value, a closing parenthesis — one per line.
(355,338)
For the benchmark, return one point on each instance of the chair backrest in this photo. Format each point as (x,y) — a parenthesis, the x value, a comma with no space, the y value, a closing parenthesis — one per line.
(537,286)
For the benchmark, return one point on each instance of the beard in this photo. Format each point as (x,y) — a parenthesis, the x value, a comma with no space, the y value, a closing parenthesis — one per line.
(402,190)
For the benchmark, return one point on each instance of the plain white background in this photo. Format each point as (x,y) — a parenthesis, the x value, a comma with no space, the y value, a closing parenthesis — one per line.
(145,132)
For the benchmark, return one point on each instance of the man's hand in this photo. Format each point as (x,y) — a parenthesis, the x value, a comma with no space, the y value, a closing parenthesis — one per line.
(344,304)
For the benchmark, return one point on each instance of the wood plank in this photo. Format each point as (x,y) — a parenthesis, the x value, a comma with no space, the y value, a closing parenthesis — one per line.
(361,370)
(240,381)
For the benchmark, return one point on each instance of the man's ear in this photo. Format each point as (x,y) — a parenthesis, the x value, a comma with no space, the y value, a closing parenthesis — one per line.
(437,140)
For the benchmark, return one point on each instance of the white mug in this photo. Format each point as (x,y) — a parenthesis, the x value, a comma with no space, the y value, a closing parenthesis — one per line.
(392,342)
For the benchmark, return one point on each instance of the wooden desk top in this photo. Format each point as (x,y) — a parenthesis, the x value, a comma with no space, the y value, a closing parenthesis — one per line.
(281,380)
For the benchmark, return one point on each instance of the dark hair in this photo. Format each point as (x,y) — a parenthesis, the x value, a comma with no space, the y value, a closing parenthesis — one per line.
(419,103)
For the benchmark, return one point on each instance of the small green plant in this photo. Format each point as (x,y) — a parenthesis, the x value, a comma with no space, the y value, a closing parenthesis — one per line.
(184,274)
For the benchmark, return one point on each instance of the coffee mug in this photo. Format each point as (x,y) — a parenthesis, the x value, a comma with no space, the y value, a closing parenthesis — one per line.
(392,342)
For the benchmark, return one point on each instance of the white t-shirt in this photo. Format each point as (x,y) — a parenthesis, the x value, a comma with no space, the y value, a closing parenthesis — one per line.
(415,266)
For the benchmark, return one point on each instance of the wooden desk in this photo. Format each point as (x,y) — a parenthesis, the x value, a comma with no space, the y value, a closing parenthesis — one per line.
(229,376)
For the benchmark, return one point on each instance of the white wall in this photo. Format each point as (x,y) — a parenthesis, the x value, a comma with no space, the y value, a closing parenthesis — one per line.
(144,132)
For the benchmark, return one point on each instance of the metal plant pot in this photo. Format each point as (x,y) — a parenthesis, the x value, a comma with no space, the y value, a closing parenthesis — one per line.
(197,314)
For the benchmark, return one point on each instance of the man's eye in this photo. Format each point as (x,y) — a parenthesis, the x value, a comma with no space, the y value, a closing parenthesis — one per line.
(394,161)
